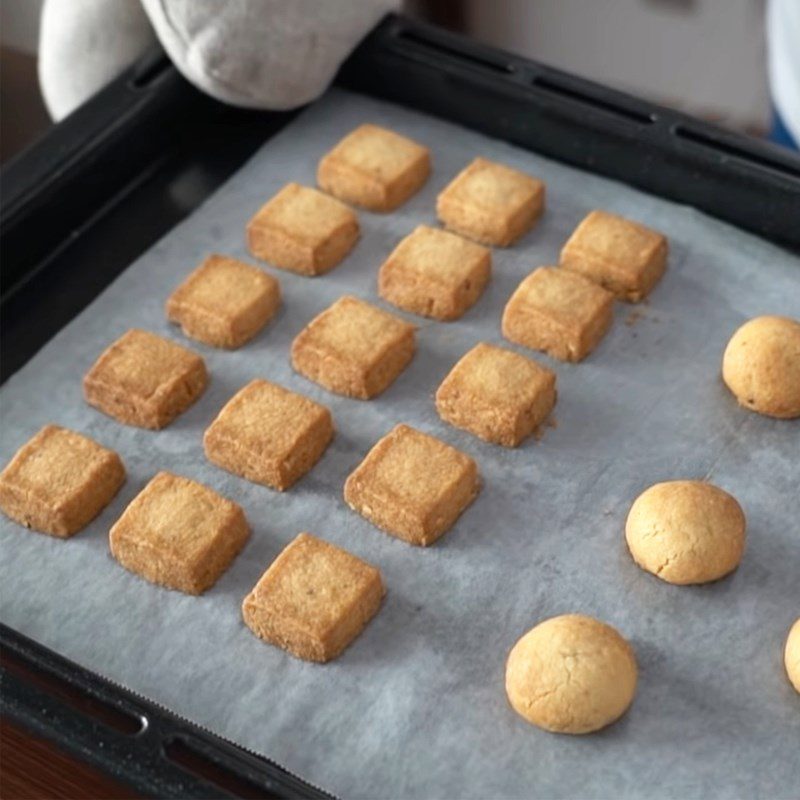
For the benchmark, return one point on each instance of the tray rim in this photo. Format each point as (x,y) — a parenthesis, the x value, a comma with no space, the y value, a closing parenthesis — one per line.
(151,88)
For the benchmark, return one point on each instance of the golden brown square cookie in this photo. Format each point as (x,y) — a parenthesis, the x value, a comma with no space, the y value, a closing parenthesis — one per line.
(303,230)
(412,485)
(269,435)
(435,273)
(59,481)
(314,599)
(179,533)
(353,348)
(145,380)
(224,302)
(623,256)
(491,203)
(497,394)
(559,312)
(375,168)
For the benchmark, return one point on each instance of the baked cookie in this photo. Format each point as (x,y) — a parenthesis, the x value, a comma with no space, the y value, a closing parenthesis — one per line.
(145,380)
(59,481)
(412,485)
(303,230)
(353,348)
(179,533)
(761,366)
(374,168)
(686,532)
(625,257)
(791,655)
(224,302)
(571,674)
(314,599)
(491,203)
(435,274)
(559,312)
(269,435)
(496,394)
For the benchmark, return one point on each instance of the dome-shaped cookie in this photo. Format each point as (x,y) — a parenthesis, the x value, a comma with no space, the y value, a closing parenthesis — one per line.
(571,674)
(791,655)
(761,366)
(686,532)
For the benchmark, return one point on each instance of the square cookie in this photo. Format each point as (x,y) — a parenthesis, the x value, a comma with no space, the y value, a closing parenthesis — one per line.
(491,203)
(179,533)
(559,312)
(354,348)
(435,274)
(314,599)
(269,435)
(303,230)
(224,302)
(412,485)
(497,394)
(374,168)
(145,380)
(623,256)
(59,481)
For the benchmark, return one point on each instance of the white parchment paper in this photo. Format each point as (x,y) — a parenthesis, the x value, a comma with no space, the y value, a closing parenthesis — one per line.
(416,707)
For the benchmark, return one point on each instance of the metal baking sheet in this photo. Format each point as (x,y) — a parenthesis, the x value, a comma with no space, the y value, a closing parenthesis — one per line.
(416,707)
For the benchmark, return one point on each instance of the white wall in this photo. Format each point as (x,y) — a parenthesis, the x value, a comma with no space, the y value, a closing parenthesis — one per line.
(705,56)
(19,24)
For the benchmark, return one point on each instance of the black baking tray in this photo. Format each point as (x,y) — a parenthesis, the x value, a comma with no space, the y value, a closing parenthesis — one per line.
(107,182)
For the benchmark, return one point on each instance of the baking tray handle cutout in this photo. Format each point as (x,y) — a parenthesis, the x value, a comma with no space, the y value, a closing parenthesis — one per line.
(436,46)
(191,758)
(746,154)
(606,104)
(137,742)
(150,69)
(111,716)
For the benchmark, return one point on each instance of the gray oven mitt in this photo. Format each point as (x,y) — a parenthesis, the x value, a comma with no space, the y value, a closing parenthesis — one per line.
(275,54)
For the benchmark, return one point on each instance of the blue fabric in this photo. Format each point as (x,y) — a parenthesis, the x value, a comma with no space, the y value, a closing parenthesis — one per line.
(780,133)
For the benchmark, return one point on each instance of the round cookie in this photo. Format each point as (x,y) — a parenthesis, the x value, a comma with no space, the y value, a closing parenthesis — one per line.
(791,655)
(686,532)
(761,366)
(571,674)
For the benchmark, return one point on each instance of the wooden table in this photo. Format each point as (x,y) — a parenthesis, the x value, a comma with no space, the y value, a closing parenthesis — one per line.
(32,768)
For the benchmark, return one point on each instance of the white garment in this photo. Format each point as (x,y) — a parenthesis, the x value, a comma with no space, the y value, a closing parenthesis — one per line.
(275,54)
(783,43)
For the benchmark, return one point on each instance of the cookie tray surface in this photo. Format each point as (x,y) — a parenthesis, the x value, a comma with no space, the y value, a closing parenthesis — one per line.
(416,707)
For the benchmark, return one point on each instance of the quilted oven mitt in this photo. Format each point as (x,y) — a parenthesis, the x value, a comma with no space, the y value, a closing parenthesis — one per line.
(274,54)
